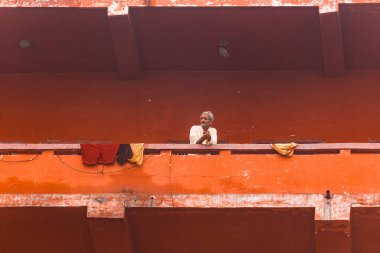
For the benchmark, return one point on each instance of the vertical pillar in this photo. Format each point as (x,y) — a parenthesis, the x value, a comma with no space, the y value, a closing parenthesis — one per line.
(332,45)
(110,235)
(332,236)
(125,45)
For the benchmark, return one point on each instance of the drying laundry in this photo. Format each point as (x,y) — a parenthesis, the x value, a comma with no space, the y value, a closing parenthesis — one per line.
(99,153)
(285,149)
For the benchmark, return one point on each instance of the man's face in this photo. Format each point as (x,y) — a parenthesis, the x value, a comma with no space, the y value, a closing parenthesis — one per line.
(205,121)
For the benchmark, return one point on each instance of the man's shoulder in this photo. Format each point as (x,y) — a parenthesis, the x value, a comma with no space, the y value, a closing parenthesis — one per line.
(212,129)
(196,127)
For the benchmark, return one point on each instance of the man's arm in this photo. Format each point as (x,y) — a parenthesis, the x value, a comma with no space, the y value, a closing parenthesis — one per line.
(214,137)
(200,140)
(194,139)
(193,136)
(205,136)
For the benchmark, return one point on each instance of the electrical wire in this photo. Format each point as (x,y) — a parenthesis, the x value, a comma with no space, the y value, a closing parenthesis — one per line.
(99,172)
(20,161)
(128,168)
(71,167)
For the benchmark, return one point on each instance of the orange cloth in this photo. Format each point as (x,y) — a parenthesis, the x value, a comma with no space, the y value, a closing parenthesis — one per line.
(285,149)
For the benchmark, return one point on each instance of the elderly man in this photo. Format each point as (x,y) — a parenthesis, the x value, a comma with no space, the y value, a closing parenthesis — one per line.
(204,134)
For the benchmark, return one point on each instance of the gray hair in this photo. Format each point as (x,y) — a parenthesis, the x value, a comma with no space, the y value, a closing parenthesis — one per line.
(210,115)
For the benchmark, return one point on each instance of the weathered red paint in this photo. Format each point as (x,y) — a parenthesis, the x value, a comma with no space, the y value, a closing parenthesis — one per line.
(222,230)
(63,40)
(346,148)
(360,22)
(109,235)
(248,106)
(67,230)
(324,5)
(239,173)
(167,39)
(365,224)
(188,38)
(112,205)
(332,237)
(252,106)
(58,230)
(181,39)
(125,46)
(332,44)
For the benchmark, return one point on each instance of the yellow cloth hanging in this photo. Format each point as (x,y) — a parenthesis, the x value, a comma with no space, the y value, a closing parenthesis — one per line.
(138,153)
(285,149)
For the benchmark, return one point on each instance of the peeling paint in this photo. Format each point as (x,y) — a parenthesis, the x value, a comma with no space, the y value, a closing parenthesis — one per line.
(114,204)
(324,5)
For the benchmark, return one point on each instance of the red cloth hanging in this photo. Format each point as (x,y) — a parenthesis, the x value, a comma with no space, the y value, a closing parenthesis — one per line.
(98,153)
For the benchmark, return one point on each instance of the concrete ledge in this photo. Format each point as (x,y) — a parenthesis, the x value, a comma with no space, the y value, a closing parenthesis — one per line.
(113,205)
(187,147)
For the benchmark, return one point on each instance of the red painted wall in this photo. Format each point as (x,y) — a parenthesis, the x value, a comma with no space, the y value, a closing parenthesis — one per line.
(260,38)
(222,230)
(365,225)
(57,230)
(164,105)
(361,37)
(63,40)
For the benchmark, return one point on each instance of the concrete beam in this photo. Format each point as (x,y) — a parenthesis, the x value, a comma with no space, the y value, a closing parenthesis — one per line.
(113,205)
(313,147)
(110,235)
(332,216)
(124,43)
(324,5)
(332,237)
(106,206)
(332,44)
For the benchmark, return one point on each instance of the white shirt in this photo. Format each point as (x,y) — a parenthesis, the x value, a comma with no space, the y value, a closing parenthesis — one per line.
(196,132)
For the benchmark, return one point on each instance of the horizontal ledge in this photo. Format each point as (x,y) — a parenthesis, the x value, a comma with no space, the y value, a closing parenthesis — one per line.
(112,205)
(258,147)
(189,147)
(162,3)
(323,5)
